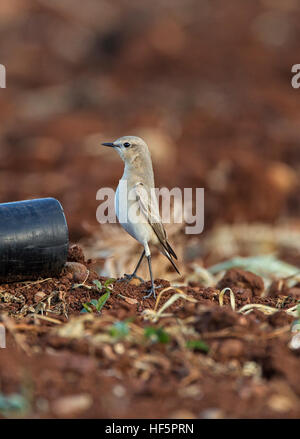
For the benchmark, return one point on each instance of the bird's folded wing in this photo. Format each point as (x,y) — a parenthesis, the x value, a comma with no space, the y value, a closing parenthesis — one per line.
(149,209)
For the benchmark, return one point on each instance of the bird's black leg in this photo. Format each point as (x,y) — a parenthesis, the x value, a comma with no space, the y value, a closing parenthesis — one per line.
(153,287)
(133,275)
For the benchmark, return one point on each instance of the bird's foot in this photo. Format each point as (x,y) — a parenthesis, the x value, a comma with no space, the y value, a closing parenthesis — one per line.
(129,277)
(152,292)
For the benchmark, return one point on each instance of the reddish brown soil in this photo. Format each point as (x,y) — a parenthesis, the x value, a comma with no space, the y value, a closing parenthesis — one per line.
(249,370)
(222,98)
(209,88)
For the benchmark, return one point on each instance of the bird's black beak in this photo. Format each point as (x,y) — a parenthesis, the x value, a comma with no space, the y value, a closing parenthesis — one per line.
(108,144)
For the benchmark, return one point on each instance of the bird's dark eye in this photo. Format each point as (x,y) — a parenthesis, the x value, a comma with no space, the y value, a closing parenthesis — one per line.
(126,144)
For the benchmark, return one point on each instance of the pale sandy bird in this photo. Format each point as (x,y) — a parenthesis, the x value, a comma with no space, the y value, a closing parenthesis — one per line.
(141,218)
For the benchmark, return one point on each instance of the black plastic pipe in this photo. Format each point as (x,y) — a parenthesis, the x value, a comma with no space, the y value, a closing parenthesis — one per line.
(34,239)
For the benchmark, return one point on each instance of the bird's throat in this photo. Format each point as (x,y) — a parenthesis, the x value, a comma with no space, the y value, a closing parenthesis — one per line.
(141,168)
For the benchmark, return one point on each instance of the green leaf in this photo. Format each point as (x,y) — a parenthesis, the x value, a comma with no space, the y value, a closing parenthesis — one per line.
(197,345)
(13,403)
(86,307)
(101,302)
(98,304)
(98,284)
(119,329)
(156,334)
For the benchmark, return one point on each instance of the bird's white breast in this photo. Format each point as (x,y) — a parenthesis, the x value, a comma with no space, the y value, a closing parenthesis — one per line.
(140,229)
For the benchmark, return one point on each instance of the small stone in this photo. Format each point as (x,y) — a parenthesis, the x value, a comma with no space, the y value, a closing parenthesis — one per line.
(242,321)
(130,300)
(212,413)
(119,348)
(280,403)
(295,342)
(79,271)
(72,404)
(119,391)
(231,349)
(192,391)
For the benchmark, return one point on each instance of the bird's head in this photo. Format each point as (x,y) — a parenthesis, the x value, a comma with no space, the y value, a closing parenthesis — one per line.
(129,147)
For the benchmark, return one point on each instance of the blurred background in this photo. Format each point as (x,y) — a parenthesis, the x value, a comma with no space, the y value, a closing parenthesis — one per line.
(207,85)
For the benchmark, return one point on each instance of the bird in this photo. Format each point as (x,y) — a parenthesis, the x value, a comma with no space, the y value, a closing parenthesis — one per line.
(137,207)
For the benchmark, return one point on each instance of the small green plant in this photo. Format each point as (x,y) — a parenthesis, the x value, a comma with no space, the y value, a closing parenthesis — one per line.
(197,345)
(97,304)
(13,404)
(120,329)
(156,335)
(98,284)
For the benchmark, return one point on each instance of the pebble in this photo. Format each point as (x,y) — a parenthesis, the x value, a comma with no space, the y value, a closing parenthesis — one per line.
(72,404)
(212,413)
(295,342)
(79,271)
(280,403)
(231,349)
